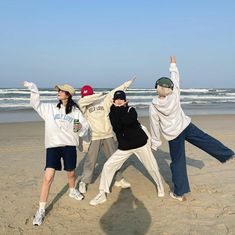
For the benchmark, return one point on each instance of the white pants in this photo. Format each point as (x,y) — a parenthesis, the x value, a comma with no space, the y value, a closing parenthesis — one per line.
(115,162)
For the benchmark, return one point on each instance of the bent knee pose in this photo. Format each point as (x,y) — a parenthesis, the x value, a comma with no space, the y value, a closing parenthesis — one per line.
(168,118)
(64,124)
(131,140)
(96,108)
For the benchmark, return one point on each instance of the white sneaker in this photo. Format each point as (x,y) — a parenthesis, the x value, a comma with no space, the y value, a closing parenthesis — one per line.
(82,187)
(76,195)
(100,198)
(179,198)
(122,183)
(39,217)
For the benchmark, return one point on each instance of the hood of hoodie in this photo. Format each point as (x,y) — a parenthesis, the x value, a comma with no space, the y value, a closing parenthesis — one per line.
(167,105)
(91,98)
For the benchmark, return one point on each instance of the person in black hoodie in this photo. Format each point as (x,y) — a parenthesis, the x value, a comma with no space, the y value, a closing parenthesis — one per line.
(132,139)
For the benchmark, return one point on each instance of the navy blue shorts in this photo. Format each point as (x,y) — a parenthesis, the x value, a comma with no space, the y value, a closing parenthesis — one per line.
(54,155)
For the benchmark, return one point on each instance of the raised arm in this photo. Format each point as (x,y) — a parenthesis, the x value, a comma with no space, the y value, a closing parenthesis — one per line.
(174,73)
(88,100)
(35,99)
(123,87)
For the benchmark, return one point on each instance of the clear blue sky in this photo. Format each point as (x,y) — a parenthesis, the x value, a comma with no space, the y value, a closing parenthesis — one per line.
(104,43)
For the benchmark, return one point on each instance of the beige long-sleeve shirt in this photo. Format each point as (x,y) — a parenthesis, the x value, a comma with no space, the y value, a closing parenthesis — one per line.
(96,109)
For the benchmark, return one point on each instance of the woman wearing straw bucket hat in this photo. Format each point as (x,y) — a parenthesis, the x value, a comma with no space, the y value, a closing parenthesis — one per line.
(64,124)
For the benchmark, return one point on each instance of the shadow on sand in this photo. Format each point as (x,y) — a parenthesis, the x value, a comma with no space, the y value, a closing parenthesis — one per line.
(126,216)
(162,158)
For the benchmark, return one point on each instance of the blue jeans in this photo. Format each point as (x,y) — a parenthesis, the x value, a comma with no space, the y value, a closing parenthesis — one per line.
(177,151)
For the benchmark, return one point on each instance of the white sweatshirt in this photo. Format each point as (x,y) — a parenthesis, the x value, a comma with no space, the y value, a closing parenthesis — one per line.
(96,109)
(166,115)
(58,125)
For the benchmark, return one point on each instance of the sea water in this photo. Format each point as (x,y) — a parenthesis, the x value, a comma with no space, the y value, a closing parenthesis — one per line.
(15,103)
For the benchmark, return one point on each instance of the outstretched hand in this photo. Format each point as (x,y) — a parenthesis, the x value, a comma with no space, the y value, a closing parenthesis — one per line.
(85,146)
(77,127)
(133,79)
(26,84)
(173,59)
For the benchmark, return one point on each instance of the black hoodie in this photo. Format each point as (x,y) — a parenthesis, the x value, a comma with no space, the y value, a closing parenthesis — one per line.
(128,130)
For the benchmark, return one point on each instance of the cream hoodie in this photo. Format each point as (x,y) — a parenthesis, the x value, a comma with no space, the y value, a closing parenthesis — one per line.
(96,109)
(58,125)
(166,115)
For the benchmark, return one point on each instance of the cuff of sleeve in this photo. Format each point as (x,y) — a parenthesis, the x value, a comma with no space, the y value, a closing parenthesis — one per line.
(154,147)
(173,66)
(128,83)
(33,88)
(85,135)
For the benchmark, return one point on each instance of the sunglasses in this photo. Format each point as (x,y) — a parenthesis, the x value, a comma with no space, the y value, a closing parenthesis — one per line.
(66,92)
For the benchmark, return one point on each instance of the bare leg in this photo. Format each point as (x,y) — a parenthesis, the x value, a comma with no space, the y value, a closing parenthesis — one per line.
(47,180)
(71,178)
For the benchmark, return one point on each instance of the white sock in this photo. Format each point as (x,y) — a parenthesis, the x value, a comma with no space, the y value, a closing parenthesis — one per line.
(71,189)
(42,205)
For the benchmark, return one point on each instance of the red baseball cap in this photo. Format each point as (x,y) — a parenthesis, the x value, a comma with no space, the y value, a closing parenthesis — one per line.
(86,90)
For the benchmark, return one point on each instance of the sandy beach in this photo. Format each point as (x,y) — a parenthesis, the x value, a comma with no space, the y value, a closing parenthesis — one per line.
(210,208)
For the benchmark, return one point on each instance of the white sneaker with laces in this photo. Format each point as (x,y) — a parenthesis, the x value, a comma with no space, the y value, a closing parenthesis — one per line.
(76,195)
(179,198)
(39,217)
(122,183)
(99,199)
(82,187)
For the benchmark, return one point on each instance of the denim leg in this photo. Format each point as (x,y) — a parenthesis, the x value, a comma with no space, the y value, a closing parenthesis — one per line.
(207,143)
(178,165)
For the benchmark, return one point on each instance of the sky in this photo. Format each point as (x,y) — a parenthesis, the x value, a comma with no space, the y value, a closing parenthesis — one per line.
(105,43)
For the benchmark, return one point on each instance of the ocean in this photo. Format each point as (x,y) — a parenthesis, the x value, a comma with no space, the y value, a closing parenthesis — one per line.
(15,107)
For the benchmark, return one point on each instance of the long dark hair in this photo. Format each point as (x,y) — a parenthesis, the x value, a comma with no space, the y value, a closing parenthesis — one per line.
(70,104)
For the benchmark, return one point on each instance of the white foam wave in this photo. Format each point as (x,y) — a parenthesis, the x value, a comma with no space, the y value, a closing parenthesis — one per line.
(27,99)
(230,94)
(194,102)
(195,90)
(14,105)
(145,97)
(23,91)
(183,97)
(137,104)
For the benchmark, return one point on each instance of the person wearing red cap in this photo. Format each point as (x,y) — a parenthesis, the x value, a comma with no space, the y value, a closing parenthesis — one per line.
(61,139)
(96,108)
(86,90)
